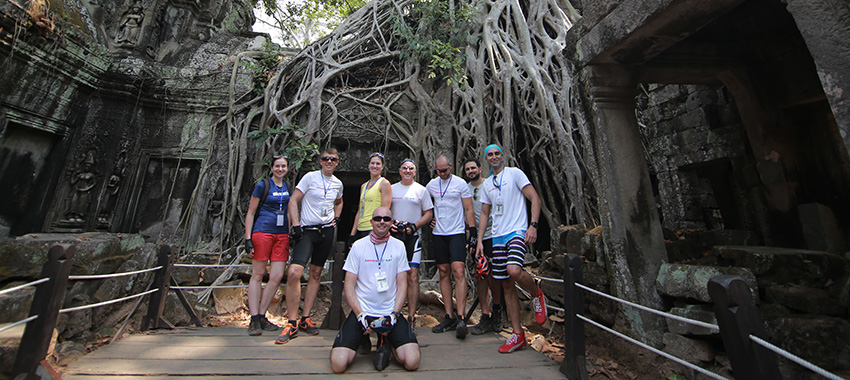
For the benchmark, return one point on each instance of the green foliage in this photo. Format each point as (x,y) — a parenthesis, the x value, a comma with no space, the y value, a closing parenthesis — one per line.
(436,32)
(263,70)
(675,377)
(301,22)
(297,149)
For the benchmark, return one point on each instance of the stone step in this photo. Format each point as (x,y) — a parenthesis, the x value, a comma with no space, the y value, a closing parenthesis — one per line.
(691,281)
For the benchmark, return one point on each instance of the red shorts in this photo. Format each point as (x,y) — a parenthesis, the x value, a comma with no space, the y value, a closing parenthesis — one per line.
(274,247)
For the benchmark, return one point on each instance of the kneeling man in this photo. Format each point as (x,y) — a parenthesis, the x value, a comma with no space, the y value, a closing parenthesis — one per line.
(375,288)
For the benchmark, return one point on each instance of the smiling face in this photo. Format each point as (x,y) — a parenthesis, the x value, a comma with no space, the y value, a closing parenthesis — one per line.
(329,162)
(407,172)
(444,168)
(376,166)
(280,166)
(381,221)
(472,171)
(494,158)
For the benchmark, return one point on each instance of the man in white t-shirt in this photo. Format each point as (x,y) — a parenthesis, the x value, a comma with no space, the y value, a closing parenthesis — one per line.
(453,209)
(412,209)
(503,197)
(375,288)
(319,193)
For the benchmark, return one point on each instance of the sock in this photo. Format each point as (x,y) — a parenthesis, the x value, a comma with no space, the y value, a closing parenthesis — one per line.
(256,317)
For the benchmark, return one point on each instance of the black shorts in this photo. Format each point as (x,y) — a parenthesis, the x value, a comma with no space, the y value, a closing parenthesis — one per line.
(488,247)
(314,246)
(449,248)
(351,333)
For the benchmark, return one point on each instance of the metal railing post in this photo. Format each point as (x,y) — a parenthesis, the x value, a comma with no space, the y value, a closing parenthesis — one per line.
(738,318)
(334,318)
(573,365)
(46,303)
(153,319)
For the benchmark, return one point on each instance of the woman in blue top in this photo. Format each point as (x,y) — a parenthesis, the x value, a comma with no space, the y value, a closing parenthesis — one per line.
(267,237)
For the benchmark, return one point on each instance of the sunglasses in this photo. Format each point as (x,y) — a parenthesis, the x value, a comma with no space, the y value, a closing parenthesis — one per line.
(408,168)
(376,154)
(330,158)
(443,170)
(382,218)
(279,157)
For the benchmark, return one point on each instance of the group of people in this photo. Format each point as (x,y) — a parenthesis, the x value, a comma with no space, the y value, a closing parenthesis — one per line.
(486,218)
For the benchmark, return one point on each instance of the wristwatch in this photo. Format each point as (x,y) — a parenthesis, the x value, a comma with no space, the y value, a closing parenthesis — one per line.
(534,224)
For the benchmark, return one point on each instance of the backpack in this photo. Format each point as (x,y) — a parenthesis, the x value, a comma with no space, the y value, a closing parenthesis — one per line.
(267,183)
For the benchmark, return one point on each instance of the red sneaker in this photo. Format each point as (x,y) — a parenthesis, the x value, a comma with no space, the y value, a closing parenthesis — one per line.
(539,305)
(515,342)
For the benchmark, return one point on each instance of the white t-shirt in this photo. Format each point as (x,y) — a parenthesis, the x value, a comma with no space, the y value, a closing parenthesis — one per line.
(320,193)
(476,208)
(410,202)
(448,204)
(504,193)
(363,261)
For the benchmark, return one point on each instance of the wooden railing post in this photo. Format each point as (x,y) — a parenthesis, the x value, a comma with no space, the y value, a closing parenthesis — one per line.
(738,318)
(573,365)
(154,320)
(334,318)
(46,303)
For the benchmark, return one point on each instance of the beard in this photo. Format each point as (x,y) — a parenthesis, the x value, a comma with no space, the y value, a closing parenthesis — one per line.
(473,177)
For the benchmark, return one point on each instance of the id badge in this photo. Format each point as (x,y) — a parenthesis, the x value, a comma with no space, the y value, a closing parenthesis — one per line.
(326,211)
(280,219)
(443,211)
(381,281)
(499,207)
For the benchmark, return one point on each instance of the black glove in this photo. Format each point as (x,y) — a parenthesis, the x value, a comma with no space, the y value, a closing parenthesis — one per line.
(295,233)
(249,246)
(472,239)
(412,228)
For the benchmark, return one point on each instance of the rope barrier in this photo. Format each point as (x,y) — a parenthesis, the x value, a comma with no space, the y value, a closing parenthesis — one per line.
(104,303)
(796,359)
(653,349)
(212,265)
(22,321)
(555,308)
(112,275)
(19,287)
(234,286)
(558,280)
(651,310)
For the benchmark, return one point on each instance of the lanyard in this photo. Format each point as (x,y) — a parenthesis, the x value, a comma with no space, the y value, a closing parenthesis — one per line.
(366,188)
(380,259)
(498,185)
(326,188)
(443,192)
(280,192)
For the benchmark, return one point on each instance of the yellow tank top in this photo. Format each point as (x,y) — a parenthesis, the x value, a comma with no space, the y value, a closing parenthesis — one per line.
(370,199)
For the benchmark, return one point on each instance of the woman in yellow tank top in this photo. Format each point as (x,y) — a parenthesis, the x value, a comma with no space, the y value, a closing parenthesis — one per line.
(375,193)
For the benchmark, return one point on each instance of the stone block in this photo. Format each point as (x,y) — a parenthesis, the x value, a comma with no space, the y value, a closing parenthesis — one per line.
(702,313)
(177,315)
(692,350)
(819,339)
(228,300)
(786,265)
(820,228)
(691,281)
(592,246)
(15,306)
(805,299)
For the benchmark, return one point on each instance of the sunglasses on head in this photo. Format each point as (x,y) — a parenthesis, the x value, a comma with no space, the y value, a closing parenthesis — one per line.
(443,170)
(376,154)
(382,218)
(330,158)
(279,157)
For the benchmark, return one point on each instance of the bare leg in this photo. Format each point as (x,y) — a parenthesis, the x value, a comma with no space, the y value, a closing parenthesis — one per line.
(523,279)
(312,288)
(255,286)
(293,291)
(412,291)
(458,268)
(341,357)
(446,288)
(408,356)
(275,275)
(512,303)
(483,288)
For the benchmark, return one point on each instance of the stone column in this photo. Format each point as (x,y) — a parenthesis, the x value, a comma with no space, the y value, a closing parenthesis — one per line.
(825,26)
(631,228)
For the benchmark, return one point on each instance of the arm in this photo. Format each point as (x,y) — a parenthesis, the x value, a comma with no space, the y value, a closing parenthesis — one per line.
(350,295)
(292,207)
(249,216)
(386,194)
(470,213)
(338,207)
(531,195)
(426,217)
(482,226)
(401,292)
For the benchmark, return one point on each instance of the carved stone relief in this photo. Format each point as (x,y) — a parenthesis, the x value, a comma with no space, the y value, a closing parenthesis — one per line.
(81,184)
(130,26)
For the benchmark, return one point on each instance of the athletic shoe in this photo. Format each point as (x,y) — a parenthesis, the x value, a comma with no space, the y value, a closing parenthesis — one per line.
(485,325)
(382,354)
(539,305)
(461,328)
(308,327)
(265,324)
(254,328)
(289,332)
(448,324)
(515,342)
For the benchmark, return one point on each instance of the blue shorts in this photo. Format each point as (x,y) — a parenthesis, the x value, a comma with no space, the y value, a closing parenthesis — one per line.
(508,249)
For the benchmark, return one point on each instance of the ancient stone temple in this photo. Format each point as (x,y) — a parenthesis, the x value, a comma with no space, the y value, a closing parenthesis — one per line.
(107,110)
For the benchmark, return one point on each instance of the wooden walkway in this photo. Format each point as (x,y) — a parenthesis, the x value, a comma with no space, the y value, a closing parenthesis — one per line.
(222,352)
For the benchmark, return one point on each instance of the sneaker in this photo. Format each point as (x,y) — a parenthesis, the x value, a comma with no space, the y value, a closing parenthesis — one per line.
(448,324)
(308,327)
(382,354)
(461,328)
(254,328)
(289,332)
(515,342)
(539,305)
(265,324)
(485,325)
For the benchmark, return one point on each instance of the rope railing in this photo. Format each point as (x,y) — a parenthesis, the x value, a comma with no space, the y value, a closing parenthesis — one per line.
(22,321)
(104,303)
(212,265)
(796,359)
(19,287)
(112,275)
